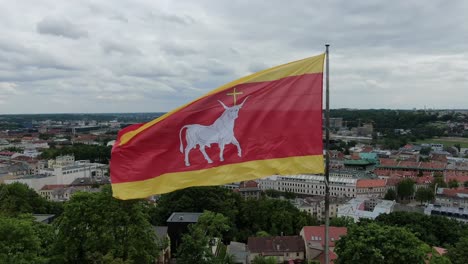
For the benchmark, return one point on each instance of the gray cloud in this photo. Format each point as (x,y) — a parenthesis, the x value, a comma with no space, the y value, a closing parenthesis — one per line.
(60,27)
(123,56)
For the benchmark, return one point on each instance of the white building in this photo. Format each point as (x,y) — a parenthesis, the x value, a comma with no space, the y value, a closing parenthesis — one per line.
(63,171)
(365,208)
(315,206)
(310,185)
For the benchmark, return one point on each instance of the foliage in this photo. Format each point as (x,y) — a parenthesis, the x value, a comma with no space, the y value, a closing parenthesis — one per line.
(405,189)
(390,195)
(458,254)
(373,243)
(438,181)
(345,221)
(264,260)
(24,241)
(437,259)
(85,236)
(433,230)
(424,195)
(453,183)
(465,184)
(273,216)
(277,194)
(13,149)
(94,153)
(425,151)
(246,217)
(195,245)
(18,198)
(45,136)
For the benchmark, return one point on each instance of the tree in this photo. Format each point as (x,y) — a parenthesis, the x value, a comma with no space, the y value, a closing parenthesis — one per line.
(214,224)
(345,221)
(437,259)
(438,181)
(194,247)
(373,243)
(405,189)
(425,151)
(273,216)
(95,226)
(424,195)
(465,184)
(433,230)
(390,195)
(264,260)
(458,253)
(18,198)
(23,241)
(453,183)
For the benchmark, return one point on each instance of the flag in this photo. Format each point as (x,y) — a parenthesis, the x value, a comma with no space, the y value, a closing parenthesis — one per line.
(267,123)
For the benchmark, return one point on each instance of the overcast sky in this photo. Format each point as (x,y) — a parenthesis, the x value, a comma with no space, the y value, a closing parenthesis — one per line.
(154,55)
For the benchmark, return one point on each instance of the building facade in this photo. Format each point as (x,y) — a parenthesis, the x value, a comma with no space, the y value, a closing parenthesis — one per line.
(310,185)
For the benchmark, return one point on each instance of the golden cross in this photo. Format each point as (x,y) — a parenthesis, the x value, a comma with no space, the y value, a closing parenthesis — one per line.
(234,93)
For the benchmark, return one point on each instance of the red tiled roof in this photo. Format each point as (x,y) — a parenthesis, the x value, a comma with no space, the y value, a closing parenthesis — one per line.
(248,184)
(319,231)
(393,181)
(440,250)
(7,153)
(453,192)
(53,186)
(461,179)
(368,183)
(276,244)
(388,162)
(332,256)
(424,179)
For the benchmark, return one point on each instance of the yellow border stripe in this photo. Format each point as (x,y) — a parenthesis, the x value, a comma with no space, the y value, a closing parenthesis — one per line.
(300,67)
(219,175)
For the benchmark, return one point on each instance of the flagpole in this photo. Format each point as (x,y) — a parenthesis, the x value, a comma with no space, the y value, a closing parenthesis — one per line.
(327,157)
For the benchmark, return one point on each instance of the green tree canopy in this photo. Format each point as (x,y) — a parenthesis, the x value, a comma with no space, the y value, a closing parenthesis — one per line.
(345,221)
(390,195)
(405,189)
(458,253)
(453,184)
(433,230)
(95,226)
(24,241)
(424,195)
(195,247)
(373,243)
(18,198)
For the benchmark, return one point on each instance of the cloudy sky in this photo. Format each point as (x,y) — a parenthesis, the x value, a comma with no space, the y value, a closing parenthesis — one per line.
(154,55)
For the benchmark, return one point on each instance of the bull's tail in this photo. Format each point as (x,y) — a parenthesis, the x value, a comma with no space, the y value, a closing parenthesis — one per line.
(180,139)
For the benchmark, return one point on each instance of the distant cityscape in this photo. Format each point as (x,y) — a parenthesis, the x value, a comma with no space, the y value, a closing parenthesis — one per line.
(60,155)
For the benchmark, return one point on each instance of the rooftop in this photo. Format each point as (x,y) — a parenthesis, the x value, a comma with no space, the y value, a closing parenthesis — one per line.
(317,233)
(275,244)
(183,217)
(370,183)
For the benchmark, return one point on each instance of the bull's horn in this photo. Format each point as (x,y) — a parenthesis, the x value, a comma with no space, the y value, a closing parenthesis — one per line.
(225,107)
(244,101)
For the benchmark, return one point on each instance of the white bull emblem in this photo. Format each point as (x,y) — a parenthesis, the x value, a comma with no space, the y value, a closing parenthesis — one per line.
(220,132)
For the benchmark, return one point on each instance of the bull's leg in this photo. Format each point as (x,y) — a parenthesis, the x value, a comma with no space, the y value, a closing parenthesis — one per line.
(239,150)
(202,149)
(221,151)
(187,150)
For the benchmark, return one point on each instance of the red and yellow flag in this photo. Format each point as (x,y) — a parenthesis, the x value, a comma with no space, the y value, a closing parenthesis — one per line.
(268,123)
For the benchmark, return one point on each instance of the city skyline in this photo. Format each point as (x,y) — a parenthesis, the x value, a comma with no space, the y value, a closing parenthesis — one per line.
(148,56)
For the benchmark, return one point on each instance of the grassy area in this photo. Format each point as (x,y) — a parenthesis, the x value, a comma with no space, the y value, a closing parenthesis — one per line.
(447,141)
